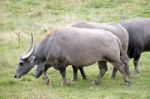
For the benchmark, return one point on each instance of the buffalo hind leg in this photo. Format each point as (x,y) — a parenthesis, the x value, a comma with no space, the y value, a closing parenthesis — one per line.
(124,59)
(115,71)
(120,66)
(75,73)
(102,70)
(136,56)
(83,75)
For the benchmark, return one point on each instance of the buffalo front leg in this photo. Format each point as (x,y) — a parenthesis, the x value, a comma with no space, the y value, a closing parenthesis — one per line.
(102,70)
(44,74)
(114,71)
(83,75)
(62,71)
(137,55)
(75,73)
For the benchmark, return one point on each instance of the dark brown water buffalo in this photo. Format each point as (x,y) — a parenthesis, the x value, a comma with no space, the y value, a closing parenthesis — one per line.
(139,38)
(78,47)
(114,28)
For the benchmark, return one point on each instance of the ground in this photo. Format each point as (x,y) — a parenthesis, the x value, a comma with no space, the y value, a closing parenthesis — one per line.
(19,18)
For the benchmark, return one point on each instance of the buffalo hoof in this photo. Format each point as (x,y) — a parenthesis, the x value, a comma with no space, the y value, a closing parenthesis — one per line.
(74,79)
(128,83)
(112,76)
(136,72)
(84,78)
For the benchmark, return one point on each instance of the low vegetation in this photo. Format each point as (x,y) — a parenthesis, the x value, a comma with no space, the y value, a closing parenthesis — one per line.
(19,18)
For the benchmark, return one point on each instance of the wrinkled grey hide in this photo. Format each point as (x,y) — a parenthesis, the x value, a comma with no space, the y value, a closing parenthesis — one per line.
(82,47)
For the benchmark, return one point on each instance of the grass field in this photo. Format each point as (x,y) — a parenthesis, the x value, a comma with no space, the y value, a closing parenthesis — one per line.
(40,16)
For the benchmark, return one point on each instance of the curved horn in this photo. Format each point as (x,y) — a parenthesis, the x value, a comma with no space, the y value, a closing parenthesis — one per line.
(30,49)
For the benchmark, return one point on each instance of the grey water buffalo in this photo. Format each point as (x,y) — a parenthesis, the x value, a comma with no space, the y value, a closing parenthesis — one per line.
(139,38)
(114,28)
(77,47)
(22,70)
(117,30)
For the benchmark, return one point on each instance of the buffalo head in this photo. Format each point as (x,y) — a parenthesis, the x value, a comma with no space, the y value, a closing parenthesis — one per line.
(26,61)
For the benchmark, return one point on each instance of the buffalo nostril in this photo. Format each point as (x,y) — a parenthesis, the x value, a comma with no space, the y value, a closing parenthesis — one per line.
(33,75)
(15,76)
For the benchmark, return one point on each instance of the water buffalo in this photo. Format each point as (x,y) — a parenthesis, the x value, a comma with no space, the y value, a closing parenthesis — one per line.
(114,28)
(117,30)
(77,47)
(139,38)
(28,66)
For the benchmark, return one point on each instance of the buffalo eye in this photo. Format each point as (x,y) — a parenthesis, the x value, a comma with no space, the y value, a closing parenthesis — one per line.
(21,63)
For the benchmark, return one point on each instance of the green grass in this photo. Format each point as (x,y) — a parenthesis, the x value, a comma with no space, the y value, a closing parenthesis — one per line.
(39,17)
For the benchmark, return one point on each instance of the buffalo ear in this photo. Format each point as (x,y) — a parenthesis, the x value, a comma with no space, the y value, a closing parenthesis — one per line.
(32,59)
